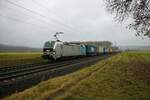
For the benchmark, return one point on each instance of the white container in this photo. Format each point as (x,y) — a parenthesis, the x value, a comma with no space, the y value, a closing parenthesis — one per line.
(101,50)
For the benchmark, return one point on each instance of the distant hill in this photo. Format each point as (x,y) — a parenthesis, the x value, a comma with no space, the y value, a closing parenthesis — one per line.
(134,47)
(4,47)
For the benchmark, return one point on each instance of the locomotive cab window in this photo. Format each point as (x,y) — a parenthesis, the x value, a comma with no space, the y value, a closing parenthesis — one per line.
(49,44)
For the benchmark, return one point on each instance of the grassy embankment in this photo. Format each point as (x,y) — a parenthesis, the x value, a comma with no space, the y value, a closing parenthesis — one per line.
(17,58)
(125,76)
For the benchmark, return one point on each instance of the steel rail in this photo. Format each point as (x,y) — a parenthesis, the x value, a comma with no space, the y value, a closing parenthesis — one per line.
(15,70)
(28,71)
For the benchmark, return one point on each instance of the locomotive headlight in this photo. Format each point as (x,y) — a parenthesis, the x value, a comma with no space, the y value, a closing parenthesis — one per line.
(54,53)
(47,50)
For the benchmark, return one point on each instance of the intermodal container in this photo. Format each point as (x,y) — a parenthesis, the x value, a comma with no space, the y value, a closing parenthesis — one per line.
(91,50)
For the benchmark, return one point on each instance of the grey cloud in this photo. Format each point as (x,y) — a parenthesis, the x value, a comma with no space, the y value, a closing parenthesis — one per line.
(85,19)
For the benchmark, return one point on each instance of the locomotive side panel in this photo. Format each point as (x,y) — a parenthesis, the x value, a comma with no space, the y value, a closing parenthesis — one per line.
(71,50)
(83,50)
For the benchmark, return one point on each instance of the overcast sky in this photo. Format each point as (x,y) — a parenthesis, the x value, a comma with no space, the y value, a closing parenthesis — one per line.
(32,22)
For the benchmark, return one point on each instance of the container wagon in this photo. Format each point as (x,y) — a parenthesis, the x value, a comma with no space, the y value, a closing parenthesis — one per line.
(106,50)
(100,50)
(91,50)
(110,51)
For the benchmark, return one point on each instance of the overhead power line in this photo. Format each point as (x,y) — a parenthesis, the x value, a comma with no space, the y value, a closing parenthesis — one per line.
(38,4)
(60,18)
(39,14)
(17,20)
(37,19)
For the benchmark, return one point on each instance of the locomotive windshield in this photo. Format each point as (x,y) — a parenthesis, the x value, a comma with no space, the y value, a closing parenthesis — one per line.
(49,44)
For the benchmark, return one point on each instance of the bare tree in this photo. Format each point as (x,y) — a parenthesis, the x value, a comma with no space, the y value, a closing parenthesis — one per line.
(138,10)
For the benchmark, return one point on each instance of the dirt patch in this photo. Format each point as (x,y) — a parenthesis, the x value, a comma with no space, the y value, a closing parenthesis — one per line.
(140,68)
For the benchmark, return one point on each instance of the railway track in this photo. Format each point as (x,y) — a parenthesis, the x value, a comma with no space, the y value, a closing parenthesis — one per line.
(20,79)
(2,69)
(15,73)
(22,66)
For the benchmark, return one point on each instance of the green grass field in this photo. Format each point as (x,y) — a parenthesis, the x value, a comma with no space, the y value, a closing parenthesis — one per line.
(17,58)
(125,76)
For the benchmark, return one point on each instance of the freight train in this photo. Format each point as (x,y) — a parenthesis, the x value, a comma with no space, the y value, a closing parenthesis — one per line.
(54,50)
